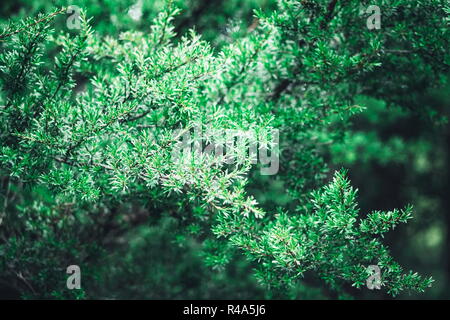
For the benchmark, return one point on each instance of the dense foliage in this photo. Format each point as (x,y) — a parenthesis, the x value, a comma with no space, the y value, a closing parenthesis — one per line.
(91,123)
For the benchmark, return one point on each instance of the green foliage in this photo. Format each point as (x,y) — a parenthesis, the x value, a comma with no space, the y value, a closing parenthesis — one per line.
(90,120)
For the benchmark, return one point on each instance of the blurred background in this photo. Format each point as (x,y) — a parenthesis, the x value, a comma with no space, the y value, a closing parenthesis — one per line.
(395,156)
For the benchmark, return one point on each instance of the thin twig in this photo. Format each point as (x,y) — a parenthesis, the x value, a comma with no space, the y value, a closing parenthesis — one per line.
(33,24)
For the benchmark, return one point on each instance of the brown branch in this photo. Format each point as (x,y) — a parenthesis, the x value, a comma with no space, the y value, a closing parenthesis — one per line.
(329,14)
(284,84)
(33,24)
